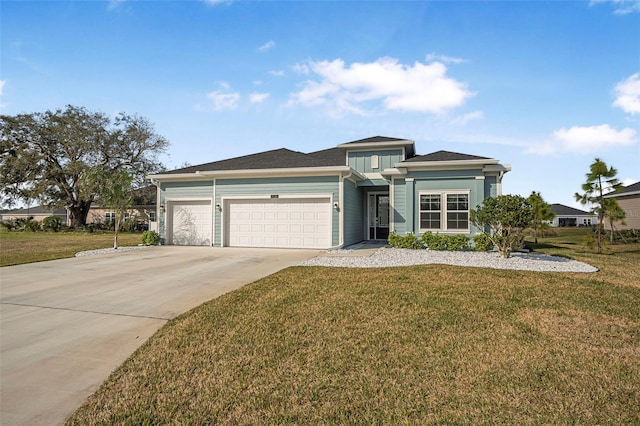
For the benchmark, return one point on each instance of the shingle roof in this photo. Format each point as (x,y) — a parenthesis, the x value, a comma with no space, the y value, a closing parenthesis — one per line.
(445,156)
(562,210)
(375,139)
(61,211)
(634,187)
(275,159)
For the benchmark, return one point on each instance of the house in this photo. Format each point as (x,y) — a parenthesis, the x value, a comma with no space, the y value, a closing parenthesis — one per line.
(628,199)
(569,216)
(37,212)
(143,209)
(360,190)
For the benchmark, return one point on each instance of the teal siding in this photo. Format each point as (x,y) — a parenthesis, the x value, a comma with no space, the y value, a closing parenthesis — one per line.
(277,186)
(361,160)
(182,190)
(354,213)
(399,206)
(446,180)
(491,186)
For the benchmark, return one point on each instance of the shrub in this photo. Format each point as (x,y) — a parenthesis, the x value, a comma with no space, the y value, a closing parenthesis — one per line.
(445,242)
(29,224)
(150,238)
(482,242)
(52,223)
(408,241)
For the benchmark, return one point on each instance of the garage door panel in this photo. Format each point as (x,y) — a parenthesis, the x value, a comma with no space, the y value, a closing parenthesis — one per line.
(190,223)
(288,223)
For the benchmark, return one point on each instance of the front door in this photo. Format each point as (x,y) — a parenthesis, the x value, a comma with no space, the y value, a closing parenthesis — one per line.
(378,216)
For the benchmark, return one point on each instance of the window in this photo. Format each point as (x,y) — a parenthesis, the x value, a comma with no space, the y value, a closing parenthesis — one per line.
(442,211)
(109,216)
(152,216)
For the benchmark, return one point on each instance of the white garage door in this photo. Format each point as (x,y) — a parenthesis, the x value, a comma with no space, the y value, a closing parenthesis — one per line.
(190,223)
(285,223)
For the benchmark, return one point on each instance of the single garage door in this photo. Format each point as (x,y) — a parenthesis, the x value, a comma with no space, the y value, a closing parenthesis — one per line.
(189,223)
(282,223)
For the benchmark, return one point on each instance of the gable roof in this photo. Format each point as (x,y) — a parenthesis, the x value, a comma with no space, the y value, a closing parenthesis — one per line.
(562,210)
(445,156)
(632,189)
(375,139)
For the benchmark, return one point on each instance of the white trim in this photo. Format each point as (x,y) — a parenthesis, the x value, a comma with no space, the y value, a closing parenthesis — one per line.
(443,211)
(480,177)
(375,161)
(225,199)
(340,212)
(392,201)
(282,172)
(214,212)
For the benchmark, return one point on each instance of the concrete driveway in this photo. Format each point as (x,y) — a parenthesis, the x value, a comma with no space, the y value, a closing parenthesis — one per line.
(65,325)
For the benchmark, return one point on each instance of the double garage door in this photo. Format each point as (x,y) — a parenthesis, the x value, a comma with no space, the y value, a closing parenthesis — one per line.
(285,223)
(280,222)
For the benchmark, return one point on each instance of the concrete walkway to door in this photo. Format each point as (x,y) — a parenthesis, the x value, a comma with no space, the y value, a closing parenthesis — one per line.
(65,325)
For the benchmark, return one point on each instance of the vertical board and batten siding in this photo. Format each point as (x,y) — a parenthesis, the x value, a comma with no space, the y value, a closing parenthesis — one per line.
(490,187)
(354,213)
(442,180)
(361,160)
(251,187)
(182,190)
(399,212)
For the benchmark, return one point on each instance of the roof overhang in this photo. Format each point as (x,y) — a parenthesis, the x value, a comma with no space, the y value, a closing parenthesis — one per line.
(620,194)
(254,173)
(376,145)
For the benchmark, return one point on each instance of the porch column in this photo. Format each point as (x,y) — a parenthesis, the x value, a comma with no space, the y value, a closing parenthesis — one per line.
(411,196)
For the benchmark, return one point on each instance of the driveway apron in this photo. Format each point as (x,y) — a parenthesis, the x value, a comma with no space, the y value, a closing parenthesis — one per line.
(65,325)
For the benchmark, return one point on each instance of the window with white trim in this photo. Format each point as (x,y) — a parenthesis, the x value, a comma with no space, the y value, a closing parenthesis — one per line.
(444,211)
(109,216)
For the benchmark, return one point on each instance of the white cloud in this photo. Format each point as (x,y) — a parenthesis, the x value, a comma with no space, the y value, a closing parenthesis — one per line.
(464,119)
(433,57)
(2,83)
(257,98)
(417,88)
(620,7)
(277,73)
(267,46)
(301,69)
(222,100)
(628,94)
(586,140)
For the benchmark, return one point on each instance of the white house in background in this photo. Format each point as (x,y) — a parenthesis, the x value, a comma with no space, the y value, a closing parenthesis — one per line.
(569,216)
(629,200)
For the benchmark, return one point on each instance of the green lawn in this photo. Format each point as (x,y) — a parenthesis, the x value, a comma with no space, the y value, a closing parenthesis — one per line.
(415,345)
(26,247)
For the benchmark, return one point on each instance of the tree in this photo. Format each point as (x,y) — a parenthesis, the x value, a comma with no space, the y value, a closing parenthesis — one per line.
(541,213)
(48,156)
(115,193)
(614,213)
(505,217)
(601,179)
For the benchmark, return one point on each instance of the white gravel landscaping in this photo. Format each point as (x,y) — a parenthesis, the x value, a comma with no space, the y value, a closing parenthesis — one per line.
(386,257)
(108,250)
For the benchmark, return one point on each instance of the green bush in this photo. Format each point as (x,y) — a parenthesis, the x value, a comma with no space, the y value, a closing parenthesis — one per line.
(482,242)
(150,238)
(408,241)
(445,242)
(52,223)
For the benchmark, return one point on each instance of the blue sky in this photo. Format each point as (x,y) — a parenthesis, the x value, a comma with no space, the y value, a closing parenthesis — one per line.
(543,86)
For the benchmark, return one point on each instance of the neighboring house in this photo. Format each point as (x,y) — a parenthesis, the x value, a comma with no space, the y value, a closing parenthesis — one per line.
(628,199)
(143,209)
(360,190)
(569,216)
(37,212)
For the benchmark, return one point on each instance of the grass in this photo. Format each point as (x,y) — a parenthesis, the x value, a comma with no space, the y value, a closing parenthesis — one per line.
(414,345)
(25,247)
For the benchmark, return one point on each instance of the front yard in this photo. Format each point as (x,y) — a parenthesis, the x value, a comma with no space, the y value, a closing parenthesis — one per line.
(413,345)
(25,247)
